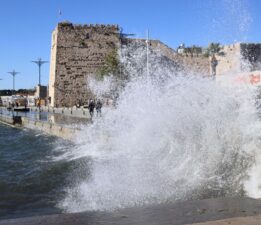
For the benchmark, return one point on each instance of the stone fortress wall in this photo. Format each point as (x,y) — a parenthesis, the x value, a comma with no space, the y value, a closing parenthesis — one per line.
(230,62)
(196,64)
(79,51)
(239,57)
(251,55)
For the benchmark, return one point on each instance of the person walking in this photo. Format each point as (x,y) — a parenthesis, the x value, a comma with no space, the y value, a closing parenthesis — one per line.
(91,107)
(98,107)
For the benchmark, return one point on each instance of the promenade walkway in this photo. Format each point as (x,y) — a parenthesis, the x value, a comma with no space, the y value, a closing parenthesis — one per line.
(220,211)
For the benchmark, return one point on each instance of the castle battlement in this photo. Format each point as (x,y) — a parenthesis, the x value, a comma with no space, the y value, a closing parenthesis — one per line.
(67,24)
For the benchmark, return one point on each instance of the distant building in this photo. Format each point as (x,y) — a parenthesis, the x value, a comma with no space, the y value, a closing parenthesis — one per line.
(14,99)
(41,92)
(181,49)
(6,100)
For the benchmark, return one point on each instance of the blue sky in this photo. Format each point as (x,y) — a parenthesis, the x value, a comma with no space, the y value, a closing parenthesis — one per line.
(26,26)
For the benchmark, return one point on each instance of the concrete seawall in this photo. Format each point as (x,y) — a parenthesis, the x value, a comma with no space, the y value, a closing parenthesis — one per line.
(50,128)
(6,119)
(58,130)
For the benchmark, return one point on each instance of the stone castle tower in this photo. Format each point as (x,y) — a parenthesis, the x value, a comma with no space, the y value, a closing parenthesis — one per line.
(76,52)
(238,58)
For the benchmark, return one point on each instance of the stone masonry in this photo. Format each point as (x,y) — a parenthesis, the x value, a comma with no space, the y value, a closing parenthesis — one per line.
(196,64)
(77,51)
(188,64)
(239,57)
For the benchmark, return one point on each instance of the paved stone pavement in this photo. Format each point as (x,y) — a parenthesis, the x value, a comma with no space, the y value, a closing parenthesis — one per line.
(249,220)
(221,211)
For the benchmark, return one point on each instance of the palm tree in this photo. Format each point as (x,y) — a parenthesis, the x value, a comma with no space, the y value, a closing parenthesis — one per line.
(214,49)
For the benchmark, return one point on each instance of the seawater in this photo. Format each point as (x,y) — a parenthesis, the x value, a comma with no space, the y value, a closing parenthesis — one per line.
(30,182)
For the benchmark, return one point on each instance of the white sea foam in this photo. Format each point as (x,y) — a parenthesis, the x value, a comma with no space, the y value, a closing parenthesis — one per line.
(173,136)
(186,137)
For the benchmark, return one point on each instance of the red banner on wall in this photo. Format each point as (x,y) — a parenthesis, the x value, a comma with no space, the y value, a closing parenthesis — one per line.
(254,79)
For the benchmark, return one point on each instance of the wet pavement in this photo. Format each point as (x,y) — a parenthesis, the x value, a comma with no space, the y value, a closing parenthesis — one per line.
(189,212)
(249,220)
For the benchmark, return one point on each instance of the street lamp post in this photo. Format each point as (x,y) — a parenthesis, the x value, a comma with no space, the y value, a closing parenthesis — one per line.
(0,101)
(39,62)
(13,73)
(147,53)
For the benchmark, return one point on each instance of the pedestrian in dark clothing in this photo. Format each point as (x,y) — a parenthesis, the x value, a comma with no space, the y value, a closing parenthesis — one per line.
(91,107)
(98,107)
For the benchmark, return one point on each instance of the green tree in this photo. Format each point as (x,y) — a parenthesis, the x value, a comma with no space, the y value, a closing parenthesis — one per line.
(186,51)
(190,51)
(214,49)
(111,65)
(196,50)
(193,50)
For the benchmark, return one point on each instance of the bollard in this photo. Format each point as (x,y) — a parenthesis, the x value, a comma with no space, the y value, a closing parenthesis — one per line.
(17,120)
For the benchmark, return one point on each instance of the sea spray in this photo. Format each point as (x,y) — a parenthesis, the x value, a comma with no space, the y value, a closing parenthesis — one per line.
(183,138)
(172,136)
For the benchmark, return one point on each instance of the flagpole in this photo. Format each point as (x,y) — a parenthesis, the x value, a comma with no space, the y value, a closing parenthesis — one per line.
(59,15)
